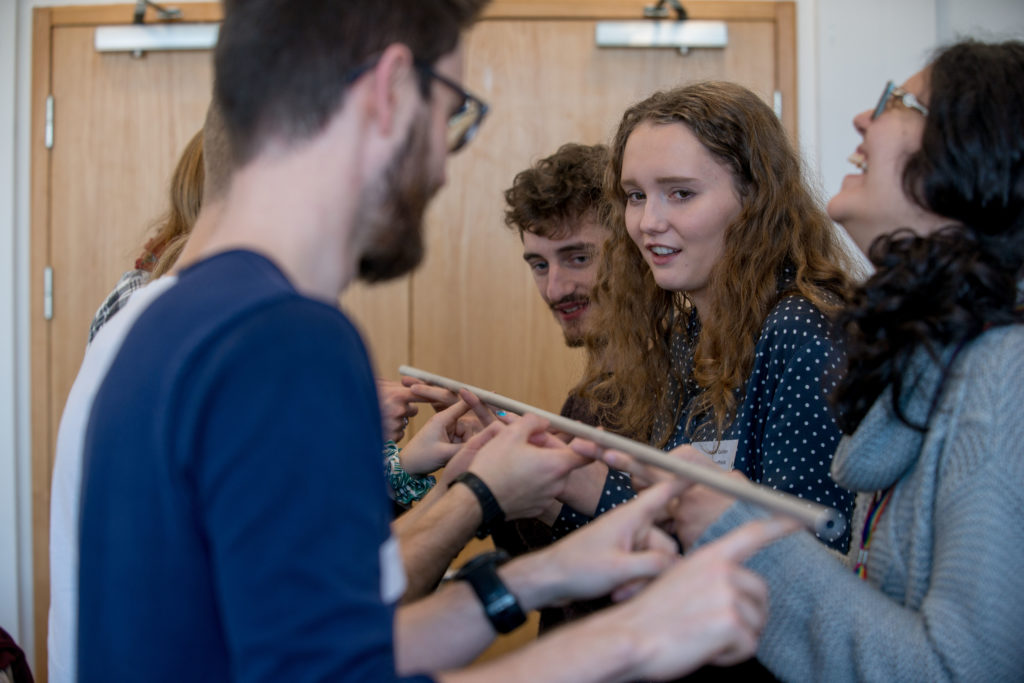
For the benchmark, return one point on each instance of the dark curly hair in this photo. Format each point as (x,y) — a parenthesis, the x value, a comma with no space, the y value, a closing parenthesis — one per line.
(945,289)
(549,197)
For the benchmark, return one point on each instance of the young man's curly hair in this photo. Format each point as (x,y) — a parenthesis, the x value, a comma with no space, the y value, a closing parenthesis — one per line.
(553,194)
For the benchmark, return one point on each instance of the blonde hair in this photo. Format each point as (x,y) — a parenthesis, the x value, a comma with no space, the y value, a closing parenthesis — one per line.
(203,173)
(186,197)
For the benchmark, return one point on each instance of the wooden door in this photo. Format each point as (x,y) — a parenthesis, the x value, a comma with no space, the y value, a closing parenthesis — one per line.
(476,313)
(471,312)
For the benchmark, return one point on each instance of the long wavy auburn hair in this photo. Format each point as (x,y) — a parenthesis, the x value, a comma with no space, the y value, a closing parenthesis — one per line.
(781,243)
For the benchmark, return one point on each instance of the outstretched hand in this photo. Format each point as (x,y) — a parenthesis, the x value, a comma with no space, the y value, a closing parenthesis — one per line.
(438,397)
(524,466)
(706,608)
(696,508)
(397,405)
(467,453)
(436,442)
(617,553)
(643,475)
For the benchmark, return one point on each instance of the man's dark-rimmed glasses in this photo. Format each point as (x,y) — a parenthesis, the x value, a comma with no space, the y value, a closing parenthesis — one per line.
(463,122)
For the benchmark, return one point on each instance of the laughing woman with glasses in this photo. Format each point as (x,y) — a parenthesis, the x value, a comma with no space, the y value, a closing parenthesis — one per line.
(932,588)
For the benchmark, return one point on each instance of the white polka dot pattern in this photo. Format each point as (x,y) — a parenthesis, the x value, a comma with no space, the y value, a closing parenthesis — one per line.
(784,425)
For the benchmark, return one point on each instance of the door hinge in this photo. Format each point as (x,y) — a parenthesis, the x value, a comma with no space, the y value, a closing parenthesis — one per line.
(777,103)
(49,122)
(48,293)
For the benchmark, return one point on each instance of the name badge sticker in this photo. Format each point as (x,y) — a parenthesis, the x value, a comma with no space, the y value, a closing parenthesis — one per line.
(722,452)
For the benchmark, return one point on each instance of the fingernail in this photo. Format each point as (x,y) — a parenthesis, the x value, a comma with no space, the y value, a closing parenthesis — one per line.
(501,413)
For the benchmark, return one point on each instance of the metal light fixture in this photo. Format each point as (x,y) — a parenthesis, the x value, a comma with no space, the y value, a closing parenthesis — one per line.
(139,37)
(655,30)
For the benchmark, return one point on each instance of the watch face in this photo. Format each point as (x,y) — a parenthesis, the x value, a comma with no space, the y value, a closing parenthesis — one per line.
(501,603)
(501,607)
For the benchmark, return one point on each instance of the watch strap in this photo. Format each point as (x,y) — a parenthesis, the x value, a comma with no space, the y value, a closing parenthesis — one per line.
(491,513)
(500,606)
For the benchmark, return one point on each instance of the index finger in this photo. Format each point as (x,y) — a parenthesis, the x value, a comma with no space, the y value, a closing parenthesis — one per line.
(453,412)
(477,441)
(690,454)
(742,543)
(637,470)
(529,425)
(587,448)
(652,503)
(396,393)
(431,394)
(482,412)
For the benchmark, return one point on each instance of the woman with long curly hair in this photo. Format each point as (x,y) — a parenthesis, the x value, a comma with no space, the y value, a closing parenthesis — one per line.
(931,403)
(716,289)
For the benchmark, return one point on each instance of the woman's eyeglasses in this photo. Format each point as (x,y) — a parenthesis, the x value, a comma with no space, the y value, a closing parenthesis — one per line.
(894,92)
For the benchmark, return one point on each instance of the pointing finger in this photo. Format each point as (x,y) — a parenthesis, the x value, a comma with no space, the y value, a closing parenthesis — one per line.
(740,544)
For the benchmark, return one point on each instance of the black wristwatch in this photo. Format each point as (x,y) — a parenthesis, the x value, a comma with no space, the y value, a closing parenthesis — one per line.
(500,605)
(492,515)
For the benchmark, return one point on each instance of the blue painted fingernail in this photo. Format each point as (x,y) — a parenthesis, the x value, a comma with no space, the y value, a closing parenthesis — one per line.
(501,413)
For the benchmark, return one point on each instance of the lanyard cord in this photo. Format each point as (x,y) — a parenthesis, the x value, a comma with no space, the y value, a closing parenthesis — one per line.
(878,504)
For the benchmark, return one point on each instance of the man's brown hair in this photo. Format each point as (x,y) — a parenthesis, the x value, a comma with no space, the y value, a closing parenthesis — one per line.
(282,66)
(553,194)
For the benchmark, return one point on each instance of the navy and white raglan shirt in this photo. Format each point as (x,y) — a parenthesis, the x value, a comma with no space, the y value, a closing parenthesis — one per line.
(235,524)
(784,434)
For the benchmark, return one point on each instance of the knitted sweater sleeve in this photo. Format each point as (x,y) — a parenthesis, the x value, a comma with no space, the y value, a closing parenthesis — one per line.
(959,620)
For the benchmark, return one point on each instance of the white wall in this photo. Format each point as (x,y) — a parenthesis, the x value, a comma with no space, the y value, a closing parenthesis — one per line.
(10,482)
(846,52)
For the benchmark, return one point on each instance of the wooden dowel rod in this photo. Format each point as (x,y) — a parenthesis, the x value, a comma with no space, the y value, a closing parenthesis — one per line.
(825,521)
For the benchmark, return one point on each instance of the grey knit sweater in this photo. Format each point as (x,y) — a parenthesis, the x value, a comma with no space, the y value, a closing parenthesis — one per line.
(944,598)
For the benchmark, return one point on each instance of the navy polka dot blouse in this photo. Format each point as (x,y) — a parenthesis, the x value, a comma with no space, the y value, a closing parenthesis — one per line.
(784,431)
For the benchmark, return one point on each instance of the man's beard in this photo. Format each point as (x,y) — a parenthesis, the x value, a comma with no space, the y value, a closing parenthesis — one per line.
(573,332)
(574,340)
(394,222)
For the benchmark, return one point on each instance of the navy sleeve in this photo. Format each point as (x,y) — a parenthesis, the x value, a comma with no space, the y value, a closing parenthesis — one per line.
(292,498)
(618,489)
(617,485)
